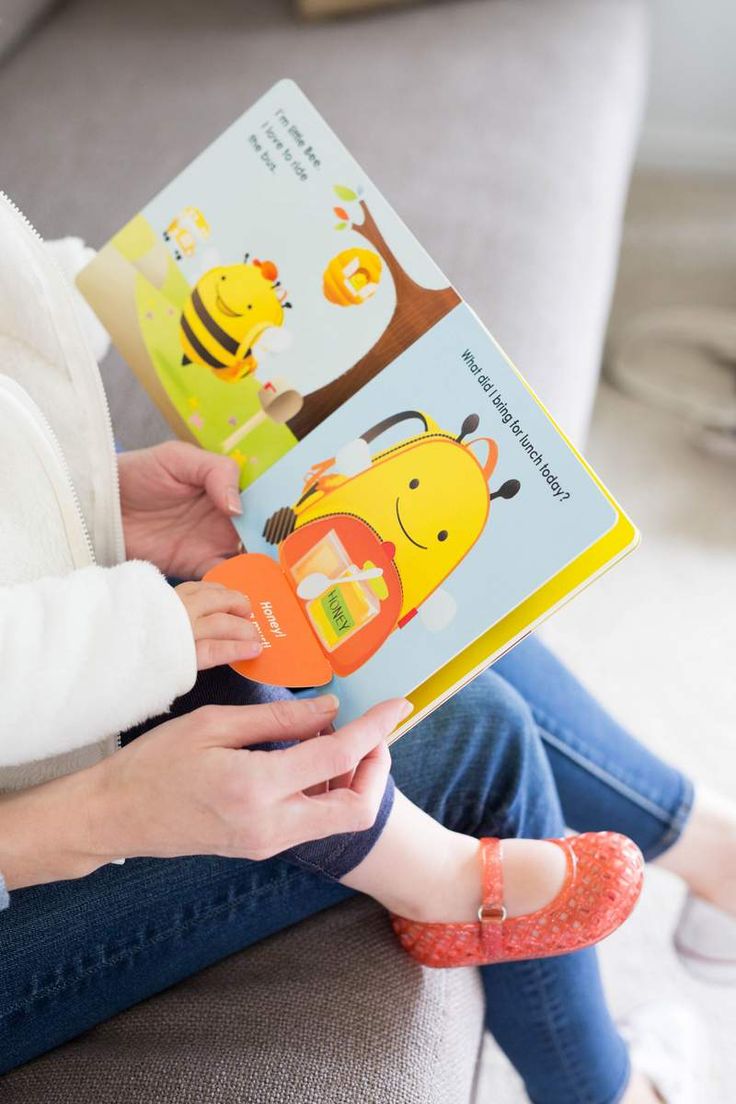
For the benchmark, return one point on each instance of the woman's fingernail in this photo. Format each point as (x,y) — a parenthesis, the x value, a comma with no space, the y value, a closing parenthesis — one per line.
(252,648)
(404,709)
(234,504)
(325,703)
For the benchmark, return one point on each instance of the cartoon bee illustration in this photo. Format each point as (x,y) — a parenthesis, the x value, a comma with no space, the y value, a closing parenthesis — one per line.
(185,230)
(409,514)
(227,313)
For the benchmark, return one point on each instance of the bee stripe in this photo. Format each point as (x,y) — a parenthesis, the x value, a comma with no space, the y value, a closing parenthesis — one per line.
(202,353)
(215,330)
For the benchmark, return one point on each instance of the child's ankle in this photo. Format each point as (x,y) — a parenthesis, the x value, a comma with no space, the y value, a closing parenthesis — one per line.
(534,872)
(453,894)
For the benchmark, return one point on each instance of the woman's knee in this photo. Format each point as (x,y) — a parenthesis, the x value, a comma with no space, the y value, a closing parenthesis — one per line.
(481,761)
(521,784)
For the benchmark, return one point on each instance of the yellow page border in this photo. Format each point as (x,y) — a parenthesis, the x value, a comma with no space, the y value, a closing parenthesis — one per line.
(622,537)
(619,539)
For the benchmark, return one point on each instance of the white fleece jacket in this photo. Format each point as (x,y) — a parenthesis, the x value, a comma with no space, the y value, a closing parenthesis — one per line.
(88,655)
(89,644)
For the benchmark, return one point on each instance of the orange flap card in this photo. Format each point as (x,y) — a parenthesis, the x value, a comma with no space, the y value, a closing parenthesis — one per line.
(325,608)
(291,655)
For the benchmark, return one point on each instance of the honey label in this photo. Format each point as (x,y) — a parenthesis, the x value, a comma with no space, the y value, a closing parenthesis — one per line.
(337,612)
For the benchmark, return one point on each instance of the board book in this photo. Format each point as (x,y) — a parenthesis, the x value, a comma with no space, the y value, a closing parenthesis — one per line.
(410,509)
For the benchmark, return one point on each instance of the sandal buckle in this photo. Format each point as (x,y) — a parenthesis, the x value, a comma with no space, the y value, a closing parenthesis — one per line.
(492,914)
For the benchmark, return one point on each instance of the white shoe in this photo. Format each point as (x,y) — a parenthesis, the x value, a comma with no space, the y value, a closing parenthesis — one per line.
(705,941)
(668,1045)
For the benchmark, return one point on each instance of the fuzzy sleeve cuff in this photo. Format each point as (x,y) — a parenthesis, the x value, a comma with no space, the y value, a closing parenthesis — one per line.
(88,655)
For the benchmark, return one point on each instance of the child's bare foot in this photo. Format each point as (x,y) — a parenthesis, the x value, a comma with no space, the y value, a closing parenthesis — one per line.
(439,876)
(705,855)
(641,1091)
(459,901)
(533,875)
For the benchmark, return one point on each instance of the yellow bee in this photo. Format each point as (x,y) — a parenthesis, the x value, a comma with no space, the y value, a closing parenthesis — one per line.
(227,313)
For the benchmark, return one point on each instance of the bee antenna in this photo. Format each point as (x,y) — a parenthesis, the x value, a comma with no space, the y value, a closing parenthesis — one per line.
(507,490)
(245,258)
(277,284)
(470,425)
(286,305)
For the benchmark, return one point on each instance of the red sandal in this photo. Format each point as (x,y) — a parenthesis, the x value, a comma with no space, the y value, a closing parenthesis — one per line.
(603,882)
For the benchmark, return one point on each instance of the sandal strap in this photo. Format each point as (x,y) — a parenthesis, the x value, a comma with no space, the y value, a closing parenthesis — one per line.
(492,912)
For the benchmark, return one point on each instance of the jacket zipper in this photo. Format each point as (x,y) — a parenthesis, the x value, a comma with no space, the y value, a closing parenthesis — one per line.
(43,426)
(101,397)
(53,438)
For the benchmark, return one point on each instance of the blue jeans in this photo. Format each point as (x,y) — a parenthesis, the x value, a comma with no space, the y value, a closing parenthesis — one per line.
(520,752)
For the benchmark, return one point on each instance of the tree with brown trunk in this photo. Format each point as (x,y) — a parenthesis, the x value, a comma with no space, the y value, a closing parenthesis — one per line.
(417,310)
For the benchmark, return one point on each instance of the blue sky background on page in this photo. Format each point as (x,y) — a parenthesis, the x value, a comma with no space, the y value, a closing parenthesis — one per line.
(276,216)
(526,540)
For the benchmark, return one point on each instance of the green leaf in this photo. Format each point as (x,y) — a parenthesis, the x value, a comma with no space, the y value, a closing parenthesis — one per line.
(340,225)
(344,193)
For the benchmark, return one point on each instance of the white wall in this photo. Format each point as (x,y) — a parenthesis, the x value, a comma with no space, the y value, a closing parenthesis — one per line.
(691,118)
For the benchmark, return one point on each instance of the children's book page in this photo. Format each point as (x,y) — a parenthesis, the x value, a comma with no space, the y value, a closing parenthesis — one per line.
(443,493)
(265,285)
(410,508)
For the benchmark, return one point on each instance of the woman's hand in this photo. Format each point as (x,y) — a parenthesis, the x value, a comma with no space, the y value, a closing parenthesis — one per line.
(221,625)
(193,787)
(177,502)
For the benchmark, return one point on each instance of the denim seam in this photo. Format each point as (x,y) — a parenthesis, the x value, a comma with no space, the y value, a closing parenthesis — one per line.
(547,729)
(677,824)
(572,1070)
(314,869)
(293,855)
(673,823)
(540,985)
(134,949)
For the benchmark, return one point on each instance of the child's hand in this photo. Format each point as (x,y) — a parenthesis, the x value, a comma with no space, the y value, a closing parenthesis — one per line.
(220,620)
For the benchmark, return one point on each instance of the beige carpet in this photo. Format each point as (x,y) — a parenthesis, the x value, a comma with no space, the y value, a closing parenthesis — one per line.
(656,638)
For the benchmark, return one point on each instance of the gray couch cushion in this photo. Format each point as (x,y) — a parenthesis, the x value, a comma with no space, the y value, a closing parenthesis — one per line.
(502,131)
(18,18)
(331,1011)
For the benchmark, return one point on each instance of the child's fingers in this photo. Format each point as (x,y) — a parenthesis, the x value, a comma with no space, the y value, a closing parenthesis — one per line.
(193,586)
(226,626)
(216,653)
(215,598)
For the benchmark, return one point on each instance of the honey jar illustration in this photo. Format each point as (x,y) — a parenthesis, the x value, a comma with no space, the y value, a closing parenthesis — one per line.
(341,597)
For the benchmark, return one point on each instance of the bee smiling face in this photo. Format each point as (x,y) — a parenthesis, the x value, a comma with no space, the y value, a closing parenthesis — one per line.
(242,301)
(227,312)
(428,500)
(439,497)
(437,508)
